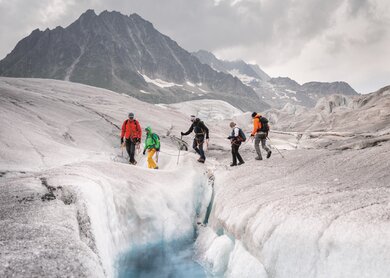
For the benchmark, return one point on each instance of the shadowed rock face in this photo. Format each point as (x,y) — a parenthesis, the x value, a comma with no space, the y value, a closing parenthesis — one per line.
(114,51)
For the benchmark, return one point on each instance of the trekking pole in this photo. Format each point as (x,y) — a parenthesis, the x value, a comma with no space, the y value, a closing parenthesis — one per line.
(178,156)
(275,147)
(157,156)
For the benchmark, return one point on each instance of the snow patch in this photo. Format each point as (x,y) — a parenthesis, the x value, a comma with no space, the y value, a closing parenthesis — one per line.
(158,82)
(243,77)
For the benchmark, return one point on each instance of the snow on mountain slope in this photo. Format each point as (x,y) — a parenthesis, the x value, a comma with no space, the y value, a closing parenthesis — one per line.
(66,193)
(338,122)
(206,109)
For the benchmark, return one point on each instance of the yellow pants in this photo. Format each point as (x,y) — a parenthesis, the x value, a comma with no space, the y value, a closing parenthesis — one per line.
(151,163)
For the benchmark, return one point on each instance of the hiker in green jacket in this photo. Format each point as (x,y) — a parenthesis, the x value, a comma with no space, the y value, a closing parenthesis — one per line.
(152,144)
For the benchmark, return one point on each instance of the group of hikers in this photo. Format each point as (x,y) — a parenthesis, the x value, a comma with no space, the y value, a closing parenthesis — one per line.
(132,133)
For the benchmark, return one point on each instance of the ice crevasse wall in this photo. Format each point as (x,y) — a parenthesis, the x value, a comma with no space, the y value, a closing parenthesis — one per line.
(141,209)
(306,223)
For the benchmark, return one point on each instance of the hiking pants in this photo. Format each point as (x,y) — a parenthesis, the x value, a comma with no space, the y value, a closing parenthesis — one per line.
(130,148)
(236,155)
(261,137)
(151,163)
(198,146)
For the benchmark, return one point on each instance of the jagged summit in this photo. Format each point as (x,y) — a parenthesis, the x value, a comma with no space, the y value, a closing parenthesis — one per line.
(237,68)
(125,54)
(277,91)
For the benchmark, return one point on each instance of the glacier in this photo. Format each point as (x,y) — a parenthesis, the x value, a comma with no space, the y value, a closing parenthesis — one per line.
(71,204)
(66,134)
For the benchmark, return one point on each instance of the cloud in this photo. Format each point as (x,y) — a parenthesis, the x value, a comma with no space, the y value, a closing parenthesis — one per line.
(304,39)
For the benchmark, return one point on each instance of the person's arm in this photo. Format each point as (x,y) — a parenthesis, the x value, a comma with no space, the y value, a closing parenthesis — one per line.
(256,122)
(206,130)
(139,135)
(123,131)
(189,131)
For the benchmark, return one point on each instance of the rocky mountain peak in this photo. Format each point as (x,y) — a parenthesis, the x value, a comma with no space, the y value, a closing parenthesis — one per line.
(125,54)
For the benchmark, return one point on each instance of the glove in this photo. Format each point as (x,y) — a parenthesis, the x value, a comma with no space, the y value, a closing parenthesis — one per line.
(144,152)
(121,140)
(157,150)
(182,133)
(137,140)
(230,137)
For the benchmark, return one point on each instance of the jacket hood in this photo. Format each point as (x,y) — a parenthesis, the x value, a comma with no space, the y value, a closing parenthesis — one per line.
(148,129)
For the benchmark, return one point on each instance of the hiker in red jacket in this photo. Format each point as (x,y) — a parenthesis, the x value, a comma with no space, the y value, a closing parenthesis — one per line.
(132,132)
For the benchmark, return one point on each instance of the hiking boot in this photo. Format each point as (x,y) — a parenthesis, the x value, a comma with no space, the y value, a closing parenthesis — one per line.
(201,160)
(241,162)
(258,158)
(133,162)
(156,167)
(269,154)
(232,164)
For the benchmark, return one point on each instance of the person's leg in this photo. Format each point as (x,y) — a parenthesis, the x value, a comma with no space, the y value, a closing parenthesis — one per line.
(257,147)
(201,151)
(151,163)
(132,152)
(195,146)
(241,161)
(128,142)
(234,154)
(264,145)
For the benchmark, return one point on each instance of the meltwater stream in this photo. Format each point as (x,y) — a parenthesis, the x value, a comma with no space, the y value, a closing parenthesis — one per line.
(162,260)
(170,258)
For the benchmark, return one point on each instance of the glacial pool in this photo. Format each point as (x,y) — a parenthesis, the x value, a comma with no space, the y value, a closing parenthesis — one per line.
(162,260)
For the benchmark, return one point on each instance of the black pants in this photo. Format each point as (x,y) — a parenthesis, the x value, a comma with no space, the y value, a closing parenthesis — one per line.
(236,155)
(198,146)
(130,148)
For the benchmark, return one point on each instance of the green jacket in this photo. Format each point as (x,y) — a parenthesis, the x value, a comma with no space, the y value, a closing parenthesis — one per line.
(152,140)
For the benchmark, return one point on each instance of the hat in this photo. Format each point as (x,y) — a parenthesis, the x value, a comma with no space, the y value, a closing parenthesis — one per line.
(254,114)
(232,124)
(131,115)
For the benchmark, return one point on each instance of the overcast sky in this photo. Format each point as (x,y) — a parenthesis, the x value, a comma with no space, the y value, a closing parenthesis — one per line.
(307,40)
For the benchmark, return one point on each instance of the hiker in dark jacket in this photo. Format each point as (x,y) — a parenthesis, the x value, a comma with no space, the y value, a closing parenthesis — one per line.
(201,131)
(131,132)
(236,140)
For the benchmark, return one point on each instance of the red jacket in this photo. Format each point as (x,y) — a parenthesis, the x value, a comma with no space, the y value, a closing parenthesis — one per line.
(131,129)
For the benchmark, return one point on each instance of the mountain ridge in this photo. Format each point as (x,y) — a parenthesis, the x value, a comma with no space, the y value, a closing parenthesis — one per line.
(125,54)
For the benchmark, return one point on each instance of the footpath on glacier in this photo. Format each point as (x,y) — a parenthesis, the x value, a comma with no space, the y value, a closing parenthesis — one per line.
(70,205)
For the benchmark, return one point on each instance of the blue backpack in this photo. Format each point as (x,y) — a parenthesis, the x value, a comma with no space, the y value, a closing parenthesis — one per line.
(241,134)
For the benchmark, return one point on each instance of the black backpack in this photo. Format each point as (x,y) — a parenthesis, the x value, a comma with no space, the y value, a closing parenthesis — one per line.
(264,125)
(241,134)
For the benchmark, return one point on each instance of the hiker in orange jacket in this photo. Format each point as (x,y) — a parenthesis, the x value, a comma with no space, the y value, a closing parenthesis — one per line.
(260,133)
(132,132)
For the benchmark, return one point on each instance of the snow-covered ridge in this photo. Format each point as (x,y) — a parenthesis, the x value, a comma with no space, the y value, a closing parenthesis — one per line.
(206,109)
